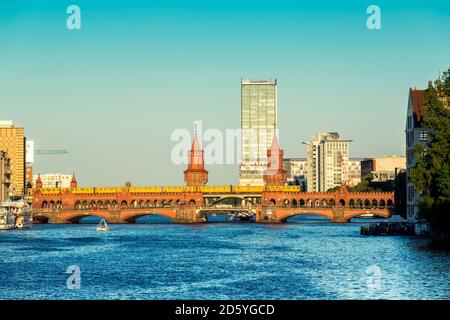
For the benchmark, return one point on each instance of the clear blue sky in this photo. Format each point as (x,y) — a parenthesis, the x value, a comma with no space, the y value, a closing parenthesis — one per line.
(113,92)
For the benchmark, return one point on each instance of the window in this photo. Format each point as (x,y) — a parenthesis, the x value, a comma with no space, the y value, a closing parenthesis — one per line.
(423,135)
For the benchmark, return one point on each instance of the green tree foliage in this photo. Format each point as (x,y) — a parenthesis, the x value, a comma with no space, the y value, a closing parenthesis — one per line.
(431,174)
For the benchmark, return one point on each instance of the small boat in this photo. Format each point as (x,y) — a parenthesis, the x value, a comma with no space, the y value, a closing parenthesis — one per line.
(102,226)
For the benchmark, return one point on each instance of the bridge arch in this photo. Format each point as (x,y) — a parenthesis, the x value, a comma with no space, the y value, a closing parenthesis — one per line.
(131,217)
(234,197)
(376,213)
(75,217)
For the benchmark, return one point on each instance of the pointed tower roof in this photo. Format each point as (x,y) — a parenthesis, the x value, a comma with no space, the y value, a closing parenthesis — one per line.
(275,142)
(195,145)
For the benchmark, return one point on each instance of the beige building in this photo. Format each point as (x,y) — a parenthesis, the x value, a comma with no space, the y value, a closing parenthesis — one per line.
(383,168)
(54,180)
(12,140)
(327,158)
(258,125)
(5,175)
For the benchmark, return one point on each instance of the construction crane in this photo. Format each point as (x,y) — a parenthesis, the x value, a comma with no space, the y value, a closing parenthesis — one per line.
(42,152)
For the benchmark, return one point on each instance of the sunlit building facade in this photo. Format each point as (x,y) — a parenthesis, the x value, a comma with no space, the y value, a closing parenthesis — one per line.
(258,124)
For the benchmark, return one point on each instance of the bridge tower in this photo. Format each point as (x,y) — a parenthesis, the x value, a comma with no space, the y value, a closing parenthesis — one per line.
(195,174)
(73,182)
(38,182)
(275,174)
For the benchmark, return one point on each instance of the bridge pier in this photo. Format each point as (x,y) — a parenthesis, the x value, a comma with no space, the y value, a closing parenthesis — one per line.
(189,215)
(339,217)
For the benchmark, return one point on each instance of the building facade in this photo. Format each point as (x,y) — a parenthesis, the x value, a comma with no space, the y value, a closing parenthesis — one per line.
(383,168)
(354,171)
(258,125)
(53,180)
(297,170)
(415,134)
(327,161)
(12,141)
(5,175)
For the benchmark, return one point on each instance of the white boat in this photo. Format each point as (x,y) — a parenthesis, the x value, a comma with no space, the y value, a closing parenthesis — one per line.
(17,212)
(102,226)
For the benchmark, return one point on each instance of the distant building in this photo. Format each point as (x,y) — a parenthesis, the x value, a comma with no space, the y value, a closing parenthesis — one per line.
(258,124)
(415,134)
(12,140)
(5,175)
(53,180)
(297,170)
(383,168)
(327,158)
(354,171)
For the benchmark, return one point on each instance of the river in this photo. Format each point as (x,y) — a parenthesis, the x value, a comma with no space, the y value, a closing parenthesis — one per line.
(304,259)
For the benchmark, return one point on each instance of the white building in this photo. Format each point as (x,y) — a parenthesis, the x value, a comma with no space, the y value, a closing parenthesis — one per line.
(354,171)
(327,158)
(54,180)
(297,170)
(258,125)
(415,134)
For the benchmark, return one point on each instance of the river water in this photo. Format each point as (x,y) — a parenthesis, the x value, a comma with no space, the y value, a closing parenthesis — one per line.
(304,259)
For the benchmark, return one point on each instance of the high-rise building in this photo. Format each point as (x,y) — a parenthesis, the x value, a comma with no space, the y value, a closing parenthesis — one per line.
(258,125)
(327,158)
(12,140)
(5,175)
(415,134)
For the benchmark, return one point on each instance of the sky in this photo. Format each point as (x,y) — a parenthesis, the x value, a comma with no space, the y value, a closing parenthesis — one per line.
(113,92)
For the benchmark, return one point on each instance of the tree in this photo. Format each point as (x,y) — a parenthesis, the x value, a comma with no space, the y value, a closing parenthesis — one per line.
(431,173)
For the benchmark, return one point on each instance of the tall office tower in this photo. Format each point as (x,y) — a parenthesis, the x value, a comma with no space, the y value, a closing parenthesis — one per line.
(327,158)
(258,125)
(12,140)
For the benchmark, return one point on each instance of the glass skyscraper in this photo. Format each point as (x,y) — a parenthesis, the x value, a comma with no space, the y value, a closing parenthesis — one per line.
(258,123)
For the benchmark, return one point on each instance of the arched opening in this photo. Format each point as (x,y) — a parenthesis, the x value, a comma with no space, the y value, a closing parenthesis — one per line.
(342,202)
(44,205)
(85,205)
(382,203)
(309,203)
(177,203)
(124,204)
(308,218)
(332,203)
(134,204)
(286,202)
(85,219)
(367,203)
(114,204)
(100,204)
(192,202)
(302,203)
(359,203)
(390,204)
(78,205)
(107,205)
(317,203)
(149,218)
(92,205)
(272,202)
(374,203)
(148,204)
(294,203)
(352,204)
(324,203)
(52,204)
(141,204)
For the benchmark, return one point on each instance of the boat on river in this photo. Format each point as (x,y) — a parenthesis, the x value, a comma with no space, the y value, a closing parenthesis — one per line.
(102,226)
(15,214)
